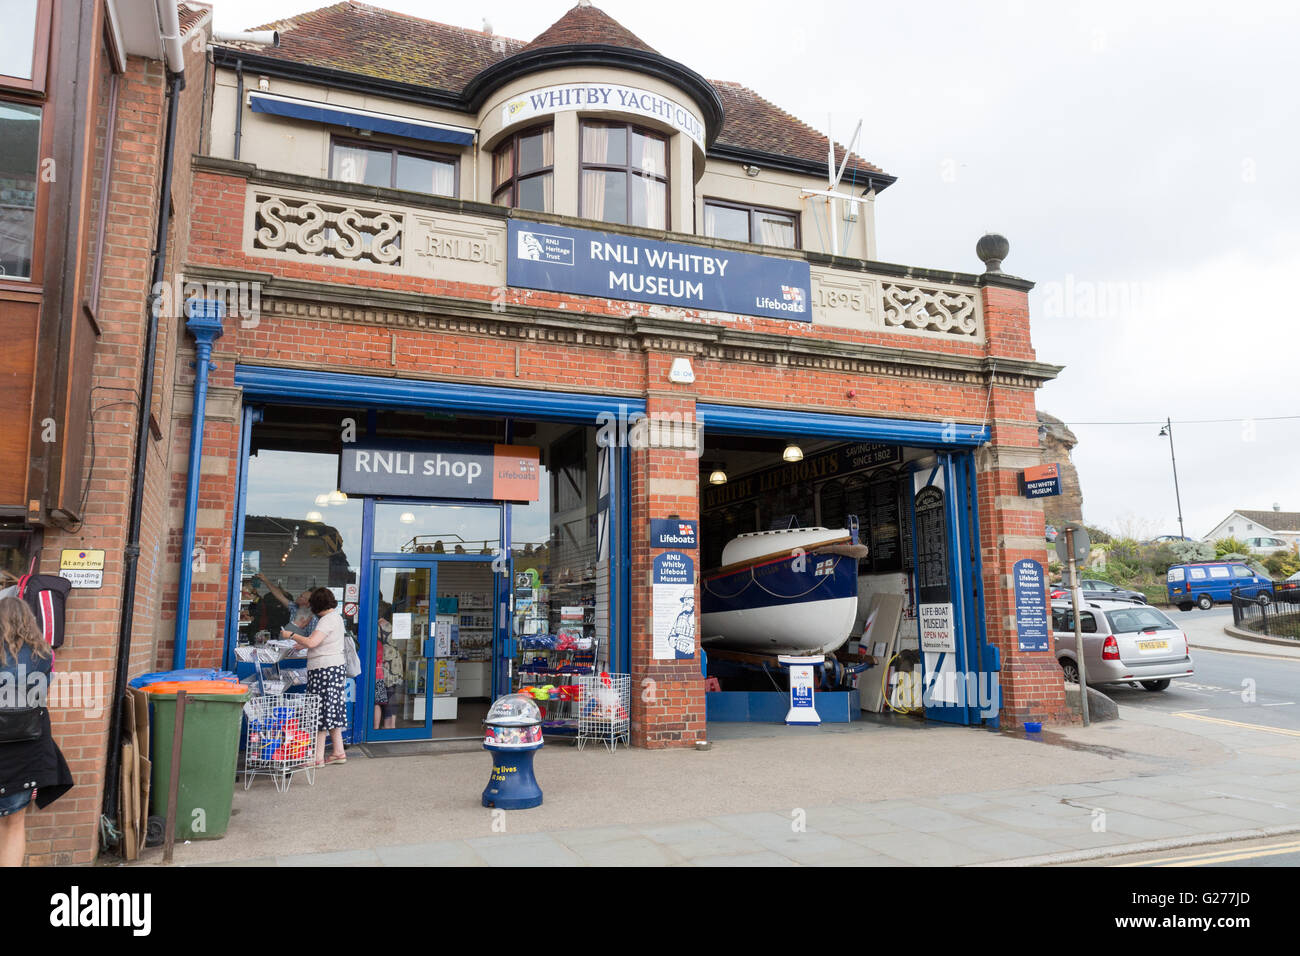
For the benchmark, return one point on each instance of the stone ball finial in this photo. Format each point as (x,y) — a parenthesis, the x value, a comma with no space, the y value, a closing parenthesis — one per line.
(992,249)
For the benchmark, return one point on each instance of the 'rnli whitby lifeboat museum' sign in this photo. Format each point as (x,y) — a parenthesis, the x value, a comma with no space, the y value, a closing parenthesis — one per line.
(444,470)
(585,262)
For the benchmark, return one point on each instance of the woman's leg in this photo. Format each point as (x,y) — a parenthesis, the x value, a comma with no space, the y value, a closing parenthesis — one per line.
(13,838)
(336,738)
(320,746)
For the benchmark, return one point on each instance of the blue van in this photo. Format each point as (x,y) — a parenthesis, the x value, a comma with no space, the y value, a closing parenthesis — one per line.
(1203,585)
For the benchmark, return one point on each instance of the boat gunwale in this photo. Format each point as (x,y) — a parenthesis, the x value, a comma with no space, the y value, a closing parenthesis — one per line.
(771,558)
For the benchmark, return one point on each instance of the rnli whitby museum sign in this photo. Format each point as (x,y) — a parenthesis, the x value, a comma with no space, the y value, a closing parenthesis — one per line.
(608,97)
(583,262)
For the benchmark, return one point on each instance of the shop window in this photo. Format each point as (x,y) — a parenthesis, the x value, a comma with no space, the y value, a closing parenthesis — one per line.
(756,224)
(437,529)
(523,170)
(20,139)
(387,166)
(23,43)
(300,533)
(624,175)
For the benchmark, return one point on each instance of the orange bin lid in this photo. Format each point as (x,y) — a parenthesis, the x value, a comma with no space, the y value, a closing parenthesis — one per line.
(196,687)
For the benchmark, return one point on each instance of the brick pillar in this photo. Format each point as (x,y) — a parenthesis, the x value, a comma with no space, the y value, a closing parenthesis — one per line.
(1011,526)
(667,695)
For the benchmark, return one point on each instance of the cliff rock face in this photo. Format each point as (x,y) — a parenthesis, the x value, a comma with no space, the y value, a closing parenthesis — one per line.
(1056,446)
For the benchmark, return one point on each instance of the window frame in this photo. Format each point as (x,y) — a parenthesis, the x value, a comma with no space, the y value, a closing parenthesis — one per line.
(628,170)
(394,149)
(511,184)
(755,210)
(40,53)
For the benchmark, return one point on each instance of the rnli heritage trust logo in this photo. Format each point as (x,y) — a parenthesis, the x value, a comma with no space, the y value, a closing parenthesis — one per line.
(541,247)
(648,270)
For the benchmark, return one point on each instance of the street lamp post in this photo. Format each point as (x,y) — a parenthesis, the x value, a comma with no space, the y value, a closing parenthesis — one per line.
(1167,431)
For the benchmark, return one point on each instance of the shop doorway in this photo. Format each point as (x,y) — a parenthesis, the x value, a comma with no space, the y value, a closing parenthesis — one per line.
(429,616)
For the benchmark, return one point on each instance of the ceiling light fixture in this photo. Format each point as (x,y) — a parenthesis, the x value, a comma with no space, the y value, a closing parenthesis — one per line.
(792,453)
(718,476)
(407,517)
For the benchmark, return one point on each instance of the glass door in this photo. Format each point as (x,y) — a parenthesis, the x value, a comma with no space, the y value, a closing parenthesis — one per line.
(405,671)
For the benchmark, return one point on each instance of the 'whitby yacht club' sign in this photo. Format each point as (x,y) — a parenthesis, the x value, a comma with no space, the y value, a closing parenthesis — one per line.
(557,258)
(607,97)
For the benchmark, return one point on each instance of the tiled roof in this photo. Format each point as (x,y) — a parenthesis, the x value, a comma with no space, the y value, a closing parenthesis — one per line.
(373,42)
(587,24)
(755,123)
(191,15)
(1274,520)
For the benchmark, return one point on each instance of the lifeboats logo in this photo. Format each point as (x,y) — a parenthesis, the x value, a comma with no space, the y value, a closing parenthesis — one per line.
(792,300)
(77,910)
(514,107)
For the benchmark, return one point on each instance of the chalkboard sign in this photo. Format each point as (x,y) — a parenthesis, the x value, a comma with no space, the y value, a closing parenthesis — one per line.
(931,547)
(885,554)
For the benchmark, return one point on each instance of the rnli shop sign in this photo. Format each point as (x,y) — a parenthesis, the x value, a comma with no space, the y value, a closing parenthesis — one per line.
(444,470)
(607,97)
(584,262)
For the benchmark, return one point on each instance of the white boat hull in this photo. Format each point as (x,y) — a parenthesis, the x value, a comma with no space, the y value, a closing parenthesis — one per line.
(810,627)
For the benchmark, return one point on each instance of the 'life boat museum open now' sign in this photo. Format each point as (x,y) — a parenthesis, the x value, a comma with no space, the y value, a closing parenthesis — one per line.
(444,470)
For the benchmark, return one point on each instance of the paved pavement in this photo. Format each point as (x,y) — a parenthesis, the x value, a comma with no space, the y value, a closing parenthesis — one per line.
(880,792)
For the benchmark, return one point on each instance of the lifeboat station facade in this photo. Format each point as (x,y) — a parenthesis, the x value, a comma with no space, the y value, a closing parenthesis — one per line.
(517,336)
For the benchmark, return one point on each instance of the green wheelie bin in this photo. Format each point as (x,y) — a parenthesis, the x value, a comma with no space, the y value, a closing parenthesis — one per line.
(209,754)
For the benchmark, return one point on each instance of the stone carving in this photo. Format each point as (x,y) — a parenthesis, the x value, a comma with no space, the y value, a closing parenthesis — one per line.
(315,227)
(930,310)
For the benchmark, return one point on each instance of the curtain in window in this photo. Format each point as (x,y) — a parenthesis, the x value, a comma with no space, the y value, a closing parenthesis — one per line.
(548,146)
(710,221)
(655,203)
(444,179)
(350,164)
(503,164)
(774,231)
(595,144)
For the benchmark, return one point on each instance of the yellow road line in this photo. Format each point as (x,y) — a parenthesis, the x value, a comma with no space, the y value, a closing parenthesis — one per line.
(1237,723)
(1219,856)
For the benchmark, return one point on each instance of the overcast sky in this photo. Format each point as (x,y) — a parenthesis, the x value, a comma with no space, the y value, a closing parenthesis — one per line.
(1140,156)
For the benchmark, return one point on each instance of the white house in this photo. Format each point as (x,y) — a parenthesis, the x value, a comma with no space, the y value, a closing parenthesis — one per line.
(1282,525)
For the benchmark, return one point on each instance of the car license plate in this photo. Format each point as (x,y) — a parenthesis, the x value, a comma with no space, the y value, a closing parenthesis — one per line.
(1153,645)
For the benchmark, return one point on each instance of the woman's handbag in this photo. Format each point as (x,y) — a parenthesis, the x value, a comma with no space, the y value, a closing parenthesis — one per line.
(21,725)
(351,659)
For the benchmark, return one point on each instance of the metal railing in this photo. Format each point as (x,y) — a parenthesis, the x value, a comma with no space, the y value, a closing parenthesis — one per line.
(1275,615)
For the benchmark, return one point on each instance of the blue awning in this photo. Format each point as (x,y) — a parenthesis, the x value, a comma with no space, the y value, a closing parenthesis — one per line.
(314,112)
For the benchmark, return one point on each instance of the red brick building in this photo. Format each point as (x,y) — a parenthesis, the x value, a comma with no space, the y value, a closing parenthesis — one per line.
(576,260)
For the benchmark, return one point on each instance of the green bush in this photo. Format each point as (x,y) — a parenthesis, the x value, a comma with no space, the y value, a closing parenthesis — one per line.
(1189,552)
(1230,549)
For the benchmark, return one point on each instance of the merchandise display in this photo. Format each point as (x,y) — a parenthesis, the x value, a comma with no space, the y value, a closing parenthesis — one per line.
(555,641)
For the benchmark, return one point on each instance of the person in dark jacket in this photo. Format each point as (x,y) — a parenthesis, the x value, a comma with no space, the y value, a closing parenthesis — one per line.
(31,766)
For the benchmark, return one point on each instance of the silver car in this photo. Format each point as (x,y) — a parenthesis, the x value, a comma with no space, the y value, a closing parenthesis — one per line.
(1122,643)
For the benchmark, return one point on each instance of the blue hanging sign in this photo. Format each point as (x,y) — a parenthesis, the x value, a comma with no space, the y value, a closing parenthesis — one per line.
(584,262)
(673,533)
(1031,605)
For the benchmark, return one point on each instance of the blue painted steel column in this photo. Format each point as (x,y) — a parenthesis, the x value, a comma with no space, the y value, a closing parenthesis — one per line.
(204,323)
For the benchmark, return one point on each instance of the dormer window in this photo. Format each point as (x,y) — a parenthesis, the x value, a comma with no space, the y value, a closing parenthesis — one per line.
(523,170)
(624,175)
